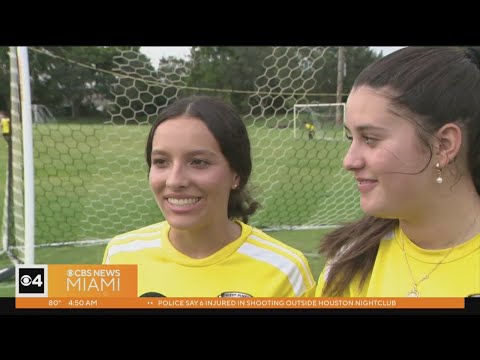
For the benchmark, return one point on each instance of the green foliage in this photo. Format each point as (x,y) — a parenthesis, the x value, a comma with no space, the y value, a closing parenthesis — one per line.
(70,77)
(228,68)
(65,78)
(238,69)
(4,79)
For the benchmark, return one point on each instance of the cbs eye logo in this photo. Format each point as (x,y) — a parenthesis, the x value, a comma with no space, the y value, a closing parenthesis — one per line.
(31,281)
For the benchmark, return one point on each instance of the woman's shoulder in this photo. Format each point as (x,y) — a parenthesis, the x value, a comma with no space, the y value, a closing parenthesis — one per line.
(152,231)
(260,236)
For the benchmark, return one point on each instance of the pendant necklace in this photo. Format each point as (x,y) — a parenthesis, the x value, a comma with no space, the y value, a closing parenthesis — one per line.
(414,290)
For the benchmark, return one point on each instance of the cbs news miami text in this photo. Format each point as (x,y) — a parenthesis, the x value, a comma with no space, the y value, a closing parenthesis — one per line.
(77,286)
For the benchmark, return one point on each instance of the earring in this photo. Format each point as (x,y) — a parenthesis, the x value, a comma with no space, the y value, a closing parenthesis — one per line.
(235,186)
(439,179)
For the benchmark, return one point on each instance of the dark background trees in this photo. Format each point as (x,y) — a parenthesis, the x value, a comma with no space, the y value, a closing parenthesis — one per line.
(237,69)
(4,79)
(72,81)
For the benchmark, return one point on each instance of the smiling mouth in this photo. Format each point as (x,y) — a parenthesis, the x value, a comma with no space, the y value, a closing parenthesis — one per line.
(183,202)
(365,181)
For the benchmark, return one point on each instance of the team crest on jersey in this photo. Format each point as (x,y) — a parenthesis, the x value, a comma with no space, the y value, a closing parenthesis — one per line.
(234,294)
(152,294)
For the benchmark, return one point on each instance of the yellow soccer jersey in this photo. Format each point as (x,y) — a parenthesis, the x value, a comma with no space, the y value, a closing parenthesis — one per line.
(458,275)
(254,265)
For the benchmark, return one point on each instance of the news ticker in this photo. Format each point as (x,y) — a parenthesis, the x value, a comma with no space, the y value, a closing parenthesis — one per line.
(74,286)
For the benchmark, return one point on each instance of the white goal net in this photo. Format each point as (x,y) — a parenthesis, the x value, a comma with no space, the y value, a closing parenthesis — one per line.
(90,174)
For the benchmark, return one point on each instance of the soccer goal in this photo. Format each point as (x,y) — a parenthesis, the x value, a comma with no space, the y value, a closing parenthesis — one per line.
(18,212)
(89,176)
(327,120)
(42,115)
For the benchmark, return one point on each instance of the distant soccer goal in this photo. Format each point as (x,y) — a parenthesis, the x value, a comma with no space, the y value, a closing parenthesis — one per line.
(42,115)
(90,176)
(327,120)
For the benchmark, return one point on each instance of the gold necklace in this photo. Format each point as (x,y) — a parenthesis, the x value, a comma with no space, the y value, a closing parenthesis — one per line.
(414,291)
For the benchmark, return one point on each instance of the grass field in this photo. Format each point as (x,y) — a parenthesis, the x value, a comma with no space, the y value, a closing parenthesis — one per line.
(91,180)
(91,183)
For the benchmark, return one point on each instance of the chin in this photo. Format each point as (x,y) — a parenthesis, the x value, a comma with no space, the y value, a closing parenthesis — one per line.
(372,209)
(185,222)
(378,213)
(181,225)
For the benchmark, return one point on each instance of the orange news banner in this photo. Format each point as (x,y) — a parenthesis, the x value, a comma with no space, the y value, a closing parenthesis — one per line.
(240,303)
(115,287)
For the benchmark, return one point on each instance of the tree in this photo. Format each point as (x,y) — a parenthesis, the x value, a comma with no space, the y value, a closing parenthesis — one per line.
(70,77)
(357,59)
(228,69)
(171,73)
(234,71)
(4,79)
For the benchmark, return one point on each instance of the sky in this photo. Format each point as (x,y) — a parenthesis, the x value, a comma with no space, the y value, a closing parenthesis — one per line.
(157,52)
(386,49)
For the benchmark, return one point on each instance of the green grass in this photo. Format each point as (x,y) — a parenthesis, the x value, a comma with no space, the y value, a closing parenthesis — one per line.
(91,183)
(306,241)
(91,180)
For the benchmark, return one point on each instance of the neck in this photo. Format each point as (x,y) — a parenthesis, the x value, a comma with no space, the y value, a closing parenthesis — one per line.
(203,242)
(448,222)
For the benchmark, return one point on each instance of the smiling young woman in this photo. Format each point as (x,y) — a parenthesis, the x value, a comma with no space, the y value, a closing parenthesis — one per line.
(413,119)
(198,155)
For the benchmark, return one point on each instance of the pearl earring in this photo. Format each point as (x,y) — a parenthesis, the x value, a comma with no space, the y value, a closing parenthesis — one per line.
(439,179)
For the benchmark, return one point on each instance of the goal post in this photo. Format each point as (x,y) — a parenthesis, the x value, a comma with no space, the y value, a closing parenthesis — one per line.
(18,228)
(28,162)
(328,119)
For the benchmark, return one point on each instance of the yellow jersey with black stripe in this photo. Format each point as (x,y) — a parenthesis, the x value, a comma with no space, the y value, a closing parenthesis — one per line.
(437,273)
(255,265)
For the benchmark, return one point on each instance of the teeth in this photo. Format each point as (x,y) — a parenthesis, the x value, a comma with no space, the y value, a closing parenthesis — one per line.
(182,202)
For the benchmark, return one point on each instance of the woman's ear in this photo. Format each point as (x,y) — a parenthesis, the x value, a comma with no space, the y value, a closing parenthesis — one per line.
(236,182)
(448,143)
